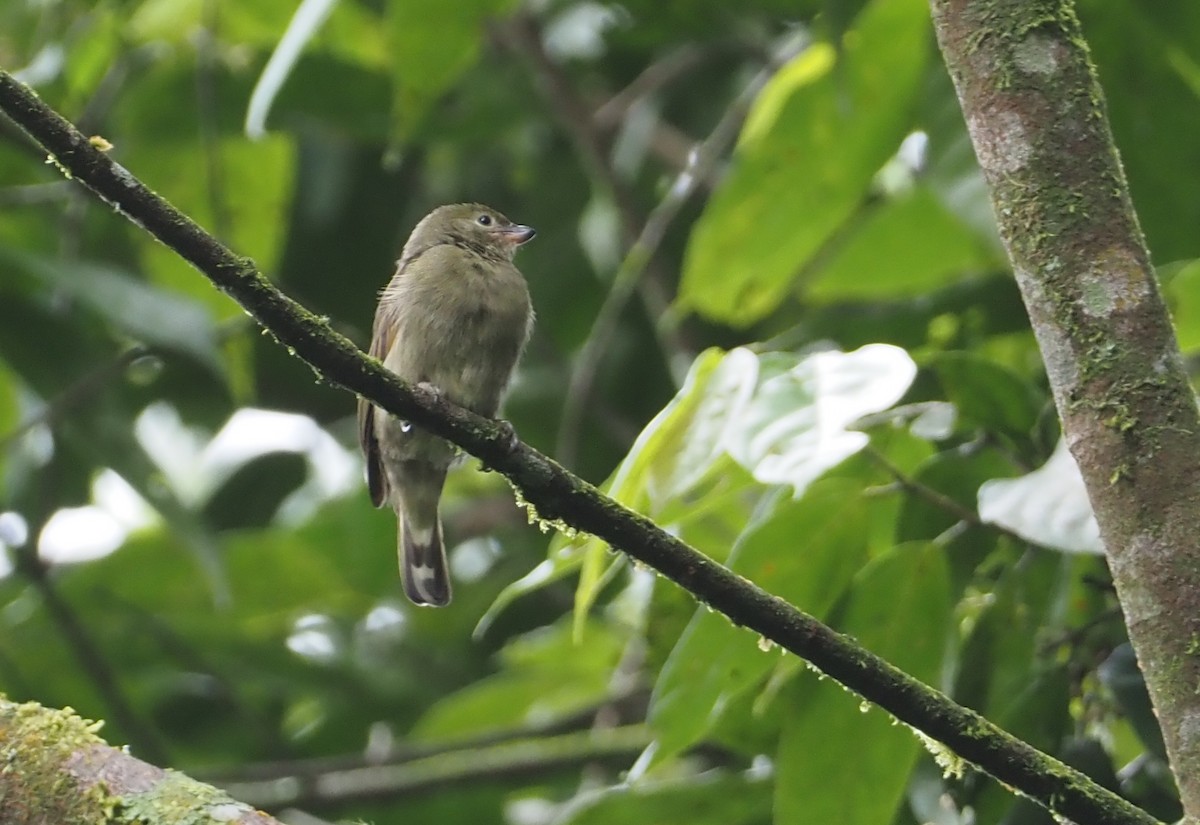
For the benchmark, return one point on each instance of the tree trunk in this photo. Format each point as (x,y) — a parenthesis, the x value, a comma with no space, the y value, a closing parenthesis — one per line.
(1037,119)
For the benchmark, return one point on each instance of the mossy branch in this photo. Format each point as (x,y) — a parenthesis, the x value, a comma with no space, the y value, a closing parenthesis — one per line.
(1037,119)
(559,495)
(56,769)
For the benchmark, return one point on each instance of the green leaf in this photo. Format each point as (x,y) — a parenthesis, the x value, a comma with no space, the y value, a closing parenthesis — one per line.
(1181,283)
(10,409)
(109,440)
(135,307)
(907,246)
(1147,55)
(781,416)
(796,425)
(1003,656)
(90,54)
(255,217)
(805,551)
(307,20)
(545,676)
(1120,674)
(251,495)
(706,799)
(672,454)
(1048,506)
(840,760)
(433,43)
(808,153)
(168,20)
(989,395)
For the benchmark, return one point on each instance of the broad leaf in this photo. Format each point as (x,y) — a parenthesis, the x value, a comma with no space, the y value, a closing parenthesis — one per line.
(805,551)
(1049,506)
(141,310)
(810,148)
(432,44)
(707,799)
(839,759)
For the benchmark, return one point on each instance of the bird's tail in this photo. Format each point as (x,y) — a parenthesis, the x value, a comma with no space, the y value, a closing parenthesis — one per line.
(423,561)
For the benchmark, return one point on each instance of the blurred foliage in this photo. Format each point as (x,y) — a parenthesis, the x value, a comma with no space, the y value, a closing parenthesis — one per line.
(220,572)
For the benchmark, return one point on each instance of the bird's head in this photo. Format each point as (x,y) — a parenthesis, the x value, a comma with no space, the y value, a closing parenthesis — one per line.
(473,226)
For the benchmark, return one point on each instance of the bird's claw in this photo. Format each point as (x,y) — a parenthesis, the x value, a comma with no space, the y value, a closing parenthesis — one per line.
(432,389)
(508,434)
(508,437)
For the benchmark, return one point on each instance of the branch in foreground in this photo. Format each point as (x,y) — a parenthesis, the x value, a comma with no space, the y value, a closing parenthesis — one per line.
(559,495)
(535,756)
(1036,116)
(56,769)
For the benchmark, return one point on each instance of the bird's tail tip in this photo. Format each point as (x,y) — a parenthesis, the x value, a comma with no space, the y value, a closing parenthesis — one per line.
(423,567)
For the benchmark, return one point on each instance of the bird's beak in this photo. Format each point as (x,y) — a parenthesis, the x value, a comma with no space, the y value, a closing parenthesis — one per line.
(516,234)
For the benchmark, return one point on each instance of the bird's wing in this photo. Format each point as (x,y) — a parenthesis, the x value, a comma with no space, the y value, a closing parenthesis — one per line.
(381,343)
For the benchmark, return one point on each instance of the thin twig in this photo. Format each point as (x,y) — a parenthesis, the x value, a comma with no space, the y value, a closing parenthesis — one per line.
(91,659)
(632,705)
(701,166)
(937,499)
(658,75)
(535,756)
(965,515)
(522,36)
(207,110)
(83,388)
(35,194)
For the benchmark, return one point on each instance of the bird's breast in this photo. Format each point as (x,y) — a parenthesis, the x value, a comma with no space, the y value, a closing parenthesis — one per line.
(464,334)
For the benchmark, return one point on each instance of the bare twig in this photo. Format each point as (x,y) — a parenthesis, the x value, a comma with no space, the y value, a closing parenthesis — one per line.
(702,163)
(207,105)
(667,143)
(91,659)
(35,194)
(632,706)
(522,36)
(518,758)
(659,74)
(82,389)
(934,497)
(938,499)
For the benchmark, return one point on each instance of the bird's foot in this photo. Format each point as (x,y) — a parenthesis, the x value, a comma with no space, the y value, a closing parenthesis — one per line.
(432,389)
(508,438)
(508,434)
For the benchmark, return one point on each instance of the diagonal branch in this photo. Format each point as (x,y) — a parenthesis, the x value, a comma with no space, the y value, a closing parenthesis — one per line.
(559,495)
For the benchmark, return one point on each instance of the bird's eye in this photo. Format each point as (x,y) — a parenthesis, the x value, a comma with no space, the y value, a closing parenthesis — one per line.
(484,220)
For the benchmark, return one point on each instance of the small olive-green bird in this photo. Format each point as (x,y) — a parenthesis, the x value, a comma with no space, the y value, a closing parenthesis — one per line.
(455,316)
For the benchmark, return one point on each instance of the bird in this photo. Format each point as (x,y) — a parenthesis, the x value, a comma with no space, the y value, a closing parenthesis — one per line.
(455,318)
